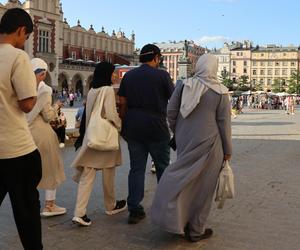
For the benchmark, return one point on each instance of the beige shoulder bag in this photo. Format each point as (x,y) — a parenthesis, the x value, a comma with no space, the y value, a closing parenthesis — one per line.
(101,134)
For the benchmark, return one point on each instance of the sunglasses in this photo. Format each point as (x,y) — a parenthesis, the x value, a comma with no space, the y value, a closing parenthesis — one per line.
(38,71)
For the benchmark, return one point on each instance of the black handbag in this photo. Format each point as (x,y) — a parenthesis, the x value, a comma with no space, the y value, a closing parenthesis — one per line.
(172,142)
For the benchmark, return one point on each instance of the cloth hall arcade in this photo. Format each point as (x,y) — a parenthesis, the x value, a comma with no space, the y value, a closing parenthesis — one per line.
(71,52)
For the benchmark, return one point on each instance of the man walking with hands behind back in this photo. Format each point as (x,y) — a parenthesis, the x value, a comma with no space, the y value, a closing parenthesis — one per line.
(20,162)
(144,94)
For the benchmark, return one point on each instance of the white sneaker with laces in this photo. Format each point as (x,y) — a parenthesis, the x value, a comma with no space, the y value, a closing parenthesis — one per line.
(61,145)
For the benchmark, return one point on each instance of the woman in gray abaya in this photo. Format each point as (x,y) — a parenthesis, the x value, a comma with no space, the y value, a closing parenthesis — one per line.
(199,114)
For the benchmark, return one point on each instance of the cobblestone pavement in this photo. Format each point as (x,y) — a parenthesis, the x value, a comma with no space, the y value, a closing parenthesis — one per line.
(264,215)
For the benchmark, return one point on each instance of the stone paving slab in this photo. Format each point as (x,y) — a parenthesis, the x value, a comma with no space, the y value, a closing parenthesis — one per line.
(263,216)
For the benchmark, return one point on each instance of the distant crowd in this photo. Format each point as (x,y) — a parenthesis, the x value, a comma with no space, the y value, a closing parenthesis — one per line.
(265,101)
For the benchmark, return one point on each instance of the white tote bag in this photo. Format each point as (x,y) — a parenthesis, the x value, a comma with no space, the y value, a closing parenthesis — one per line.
(225,187)
(101,134)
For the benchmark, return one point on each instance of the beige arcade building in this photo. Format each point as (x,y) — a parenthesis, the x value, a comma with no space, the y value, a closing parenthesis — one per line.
(71,52)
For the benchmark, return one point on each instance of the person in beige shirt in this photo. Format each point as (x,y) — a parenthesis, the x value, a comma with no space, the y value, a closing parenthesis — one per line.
(20,162)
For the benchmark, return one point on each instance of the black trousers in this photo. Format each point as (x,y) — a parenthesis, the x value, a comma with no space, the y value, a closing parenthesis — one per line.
(19,177)
(61,134)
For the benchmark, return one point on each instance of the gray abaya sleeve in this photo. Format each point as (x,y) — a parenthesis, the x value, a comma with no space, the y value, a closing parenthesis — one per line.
(174,107)
(224,123)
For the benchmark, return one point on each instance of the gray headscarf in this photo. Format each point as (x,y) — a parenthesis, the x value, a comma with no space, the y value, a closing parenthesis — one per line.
(195,87)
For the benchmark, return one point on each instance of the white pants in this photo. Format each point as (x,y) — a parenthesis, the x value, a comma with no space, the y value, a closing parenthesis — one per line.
(50,194)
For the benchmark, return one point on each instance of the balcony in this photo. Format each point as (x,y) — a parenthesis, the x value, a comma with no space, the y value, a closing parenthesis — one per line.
(76,67)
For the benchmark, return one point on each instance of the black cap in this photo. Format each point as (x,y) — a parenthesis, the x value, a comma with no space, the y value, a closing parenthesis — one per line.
(149,50)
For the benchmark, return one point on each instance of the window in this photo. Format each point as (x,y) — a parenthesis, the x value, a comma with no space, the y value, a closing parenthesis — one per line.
(293,71)
(245,71)
(262,63)
(269,72)
(86,57)
(292,63)
(98,59)
(261,81)
(269,81)
(284,72)
(262,71)
(245,63)
(277,64)
(270,63)
(262,54)
(74,55)
(238,53)
(254,63)
(276,72)
(233,70)
(44,41)
(254,81)
(234,63)
(284,63)
(254,72)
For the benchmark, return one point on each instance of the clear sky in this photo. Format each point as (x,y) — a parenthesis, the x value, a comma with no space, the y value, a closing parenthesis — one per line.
(208,22)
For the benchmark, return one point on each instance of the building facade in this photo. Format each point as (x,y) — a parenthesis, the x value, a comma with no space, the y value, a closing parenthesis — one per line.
(70,52)
(240,60)
(259,65)
(223,55)
(273,62)
(174,51)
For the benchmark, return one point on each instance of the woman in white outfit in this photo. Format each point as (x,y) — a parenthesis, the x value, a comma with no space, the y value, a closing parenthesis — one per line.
(46,140)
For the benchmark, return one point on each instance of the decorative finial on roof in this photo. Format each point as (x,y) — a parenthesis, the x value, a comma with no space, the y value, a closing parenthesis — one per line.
(78,23)
(132,36)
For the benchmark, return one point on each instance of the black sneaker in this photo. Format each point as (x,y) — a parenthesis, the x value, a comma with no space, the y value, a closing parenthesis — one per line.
(136,216)
(82,221)
(120,206)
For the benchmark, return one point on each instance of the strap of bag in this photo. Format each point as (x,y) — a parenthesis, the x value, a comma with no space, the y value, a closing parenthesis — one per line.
(98,105)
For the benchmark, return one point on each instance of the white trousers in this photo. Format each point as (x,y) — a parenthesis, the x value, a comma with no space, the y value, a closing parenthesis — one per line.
(50,194)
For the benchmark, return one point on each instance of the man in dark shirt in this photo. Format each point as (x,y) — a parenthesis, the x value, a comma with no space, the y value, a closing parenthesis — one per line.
(144,93)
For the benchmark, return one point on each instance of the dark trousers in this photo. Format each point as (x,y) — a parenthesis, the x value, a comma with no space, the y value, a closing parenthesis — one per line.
(19,177)
(138,152)
(61,134)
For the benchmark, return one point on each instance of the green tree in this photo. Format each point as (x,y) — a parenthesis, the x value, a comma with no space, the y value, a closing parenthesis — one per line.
(243,83)
(258,86)
(225,79)
(294,83)
(278,86)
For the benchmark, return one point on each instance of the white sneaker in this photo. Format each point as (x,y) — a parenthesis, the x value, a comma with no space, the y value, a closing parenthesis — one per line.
(82,221)
(61,145)
(53,211)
